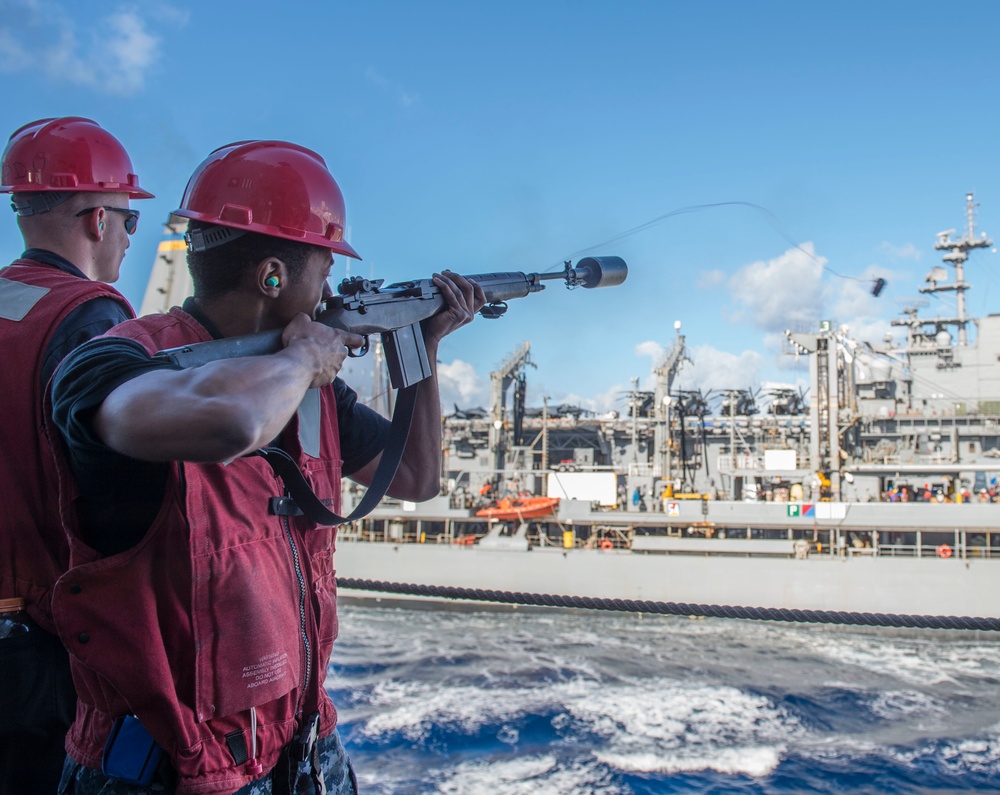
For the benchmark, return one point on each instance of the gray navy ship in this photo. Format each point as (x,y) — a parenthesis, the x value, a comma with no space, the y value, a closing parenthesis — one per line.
(874,489)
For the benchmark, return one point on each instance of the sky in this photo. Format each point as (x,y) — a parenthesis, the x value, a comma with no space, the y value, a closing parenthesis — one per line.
(757,164)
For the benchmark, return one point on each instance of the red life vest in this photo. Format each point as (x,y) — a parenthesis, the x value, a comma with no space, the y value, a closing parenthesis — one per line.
(34,300)
(221,609)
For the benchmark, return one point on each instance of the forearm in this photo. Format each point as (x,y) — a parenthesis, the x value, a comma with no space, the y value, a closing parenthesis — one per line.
(212,413)
(419,475)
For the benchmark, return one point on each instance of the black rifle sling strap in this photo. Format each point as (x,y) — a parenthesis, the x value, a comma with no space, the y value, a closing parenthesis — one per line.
(304,500)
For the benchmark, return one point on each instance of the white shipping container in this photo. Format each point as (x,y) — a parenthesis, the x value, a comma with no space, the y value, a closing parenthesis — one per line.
(599,487)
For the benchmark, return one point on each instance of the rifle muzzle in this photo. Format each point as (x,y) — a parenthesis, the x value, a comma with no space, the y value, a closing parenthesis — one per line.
(597,272)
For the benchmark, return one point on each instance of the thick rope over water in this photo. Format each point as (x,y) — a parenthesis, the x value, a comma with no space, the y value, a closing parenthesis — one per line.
(679,608)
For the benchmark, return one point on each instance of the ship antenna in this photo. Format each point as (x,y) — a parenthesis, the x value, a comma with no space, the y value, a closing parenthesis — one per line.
(957,254)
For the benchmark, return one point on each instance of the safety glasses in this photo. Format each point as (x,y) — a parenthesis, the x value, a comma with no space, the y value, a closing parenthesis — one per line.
(131,216)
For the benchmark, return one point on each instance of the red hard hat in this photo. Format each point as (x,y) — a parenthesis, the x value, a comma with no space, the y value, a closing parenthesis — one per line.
(272,188)
(67,154)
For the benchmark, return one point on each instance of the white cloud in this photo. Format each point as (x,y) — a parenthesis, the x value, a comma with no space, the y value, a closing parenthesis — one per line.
(375,77)
(653,350)
(715,369)
(854,306)
(711,278)
(793,292)
(111,53)
(11,52)
(710,367)
(611,400)
(907,251)
(461,386)
(782,292)
(405,98)
(796,290)
(784,355)
(171,15)
(133,48)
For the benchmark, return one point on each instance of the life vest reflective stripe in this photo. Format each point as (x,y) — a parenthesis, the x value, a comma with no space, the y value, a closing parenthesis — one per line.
(35,299)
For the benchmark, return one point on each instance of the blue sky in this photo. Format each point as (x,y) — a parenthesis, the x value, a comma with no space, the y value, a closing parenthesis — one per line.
(510,136)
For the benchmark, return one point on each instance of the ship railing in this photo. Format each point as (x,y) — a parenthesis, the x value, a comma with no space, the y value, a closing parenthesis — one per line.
(741,461)
(959,550)
(641,469)
(379,531)
(922,551)
(938,459)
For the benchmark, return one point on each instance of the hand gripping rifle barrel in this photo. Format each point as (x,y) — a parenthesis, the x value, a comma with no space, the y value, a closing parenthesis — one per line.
(365,307)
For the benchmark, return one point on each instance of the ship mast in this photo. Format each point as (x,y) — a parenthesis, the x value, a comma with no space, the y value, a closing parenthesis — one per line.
(169,280)
(957,254)
(665,375)
(500,381)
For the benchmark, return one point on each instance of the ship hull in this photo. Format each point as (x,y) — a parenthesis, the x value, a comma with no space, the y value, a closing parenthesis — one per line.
(859,583)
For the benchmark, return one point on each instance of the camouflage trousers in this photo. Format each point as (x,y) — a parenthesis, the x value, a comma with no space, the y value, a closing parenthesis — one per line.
(330,758)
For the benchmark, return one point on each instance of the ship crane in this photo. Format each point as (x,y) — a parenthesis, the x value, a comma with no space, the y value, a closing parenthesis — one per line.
(511,371)
(824,400)
(665,375)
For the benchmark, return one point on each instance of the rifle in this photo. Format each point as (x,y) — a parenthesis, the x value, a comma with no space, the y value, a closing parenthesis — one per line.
(365,307)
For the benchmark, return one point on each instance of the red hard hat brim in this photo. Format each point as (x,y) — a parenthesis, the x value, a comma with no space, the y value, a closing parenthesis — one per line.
(312,239)
(132,191)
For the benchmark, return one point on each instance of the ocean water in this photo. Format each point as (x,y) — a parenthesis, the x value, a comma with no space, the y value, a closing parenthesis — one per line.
(573,703)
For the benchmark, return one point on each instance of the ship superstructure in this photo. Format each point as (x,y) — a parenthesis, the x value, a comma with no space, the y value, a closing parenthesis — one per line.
(871,489)
(873,417)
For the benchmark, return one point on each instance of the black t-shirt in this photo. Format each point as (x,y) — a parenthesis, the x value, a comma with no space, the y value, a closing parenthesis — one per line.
(120,496)
(87,321)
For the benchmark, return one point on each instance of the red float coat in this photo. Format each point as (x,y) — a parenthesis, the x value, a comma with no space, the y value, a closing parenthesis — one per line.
(34,300)
(221,609)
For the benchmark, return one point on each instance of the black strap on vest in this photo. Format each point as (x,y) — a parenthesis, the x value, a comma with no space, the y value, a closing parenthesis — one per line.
(237,743)
(303,498)
(304,748)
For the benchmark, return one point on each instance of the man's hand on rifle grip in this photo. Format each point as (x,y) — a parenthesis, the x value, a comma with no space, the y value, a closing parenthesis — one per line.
(323,349)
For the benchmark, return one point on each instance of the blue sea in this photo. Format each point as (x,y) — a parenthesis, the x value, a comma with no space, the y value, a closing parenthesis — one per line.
(572,703)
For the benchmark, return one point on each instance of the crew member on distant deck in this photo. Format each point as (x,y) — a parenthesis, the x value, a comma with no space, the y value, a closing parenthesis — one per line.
(199,607)
(71,182)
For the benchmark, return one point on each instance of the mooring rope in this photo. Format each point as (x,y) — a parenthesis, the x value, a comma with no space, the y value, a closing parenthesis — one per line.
(678,608)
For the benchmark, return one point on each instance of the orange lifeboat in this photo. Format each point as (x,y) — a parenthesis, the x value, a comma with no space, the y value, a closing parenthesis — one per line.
(520,508)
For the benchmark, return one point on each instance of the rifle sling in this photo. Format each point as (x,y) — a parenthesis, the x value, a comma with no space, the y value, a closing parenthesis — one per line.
(305,499)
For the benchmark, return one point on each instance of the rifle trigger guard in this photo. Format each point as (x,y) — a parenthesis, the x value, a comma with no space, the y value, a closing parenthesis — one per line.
(357,354)
(493,311)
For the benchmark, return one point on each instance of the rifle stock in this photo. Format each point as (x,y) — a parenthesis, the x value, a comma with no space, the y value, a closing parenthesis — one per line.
(364,307)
